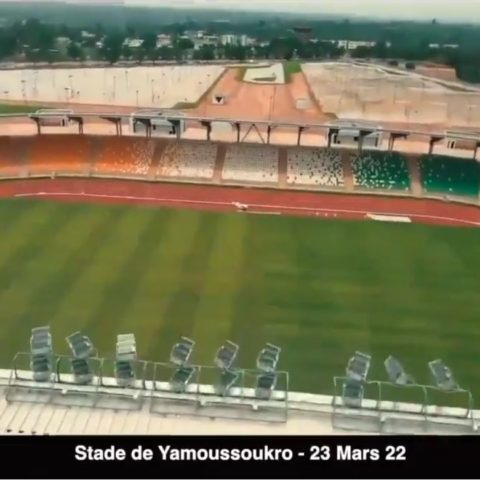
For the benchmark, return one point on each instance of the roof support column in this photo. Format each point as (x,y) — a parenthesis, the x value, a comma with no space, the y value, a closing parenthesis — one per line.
(433,140)
(299,135)
(208,126)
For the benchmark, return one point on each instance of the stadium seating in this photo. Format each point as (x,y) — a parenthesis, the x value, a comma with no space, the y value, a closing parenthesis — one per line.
(126,155)
(380,170)
(245,163)
(11,163)
(59,154)
(450,176)
(188,160)
(314,167)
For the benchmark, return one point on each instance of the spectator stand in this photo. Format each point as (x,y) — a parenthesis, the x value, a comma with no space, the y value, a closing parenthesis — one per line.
(401,405)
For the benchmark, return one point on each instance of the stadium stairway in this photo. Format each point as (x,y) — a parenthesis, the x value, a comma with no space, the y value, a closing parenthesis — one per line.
(95,150)
(282,167)
(415,176)
(14,153)
(157,155)
(347,170)
(219,162)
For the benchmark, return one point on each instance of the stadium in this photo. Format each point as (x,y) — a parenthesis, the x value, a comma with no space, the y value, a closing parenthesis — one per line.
(238,249)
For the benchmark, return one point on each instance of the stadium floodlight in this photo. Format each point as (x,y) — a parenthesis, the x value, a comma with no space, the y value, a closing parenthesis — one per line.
(181,351)
(126,347)
(80,345)
(226,355)
(41,366)
(268,358)
(41,341)
(358,366)
(396,373)
(442,375)
(81,371)
(181,378)
(265,385)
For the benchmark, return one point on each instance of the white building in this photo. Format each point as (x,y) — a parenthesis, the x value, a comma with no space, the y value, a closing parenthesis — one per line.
(354,44)
(164,40)
(133,42)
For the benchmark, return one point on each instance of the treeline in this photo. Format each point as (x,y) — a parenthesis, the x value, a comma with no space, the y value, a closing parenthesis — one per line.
(455,45)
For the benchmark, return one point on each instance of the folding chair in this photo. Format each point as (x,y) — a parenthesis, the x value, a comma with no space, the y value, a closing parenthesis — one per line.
(442,375)
(226,355)
(396,373)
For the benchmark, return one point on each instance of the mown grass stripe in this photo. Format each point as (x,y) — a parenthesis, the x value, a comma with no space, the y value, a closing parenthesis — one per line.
(109,316)
(215,309)
(159,283)
(180,309)
(43,302)
(39,285)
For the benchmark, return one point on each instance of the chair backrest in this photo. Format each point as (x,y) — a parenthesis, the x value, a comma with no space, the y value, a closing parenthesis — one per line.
(41,341)
(80,345)
(442,375)
(358,366)
(226,355)
(126,346)
(181,351)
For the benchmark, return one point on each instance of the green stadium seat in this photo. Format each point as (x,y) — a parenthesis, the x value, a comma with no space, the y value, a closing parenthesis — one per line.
(380,170)
(450,176)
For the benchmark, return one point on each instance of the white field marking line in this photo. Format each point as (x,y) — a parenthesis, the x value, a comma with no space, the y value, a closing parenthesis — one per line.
(255,205)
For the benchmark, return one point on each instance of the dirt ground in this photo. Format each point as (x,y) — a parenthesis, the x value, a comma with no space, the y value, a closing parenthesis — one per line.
(261,102)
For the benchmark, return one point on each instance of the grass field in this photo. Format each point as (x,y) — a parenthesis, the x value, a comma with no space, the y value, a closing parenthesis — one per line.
(289,68)
(320,289)
(17,108)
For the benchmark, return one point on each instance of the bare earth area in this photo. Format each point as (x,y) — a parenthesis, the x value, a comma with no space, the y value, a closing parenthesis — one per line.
(260,102)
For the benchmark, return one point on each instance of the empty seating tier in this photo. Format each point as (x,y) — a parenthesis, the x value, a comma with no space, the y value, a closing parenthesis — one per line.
(125,155)
(188,160)
(11,156)
(450,176)
(380,170)
(251,164)
(314,167)
(59,154)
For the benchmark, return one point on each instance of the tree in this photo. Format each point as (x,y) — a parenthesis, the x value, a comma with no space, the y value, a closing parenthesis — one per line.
(149,42)
(185,44)
(126,52)
(74,51)
(206,52)
(8,44)
(112,47)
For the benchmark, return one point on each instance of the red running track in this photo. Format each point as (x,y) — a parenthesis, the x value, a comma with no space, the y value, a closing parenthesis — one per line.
(207,197)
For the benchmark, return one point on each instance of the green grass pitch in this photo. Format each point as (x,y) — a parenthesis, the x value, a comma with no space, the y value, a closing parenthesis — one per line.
(319,289)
